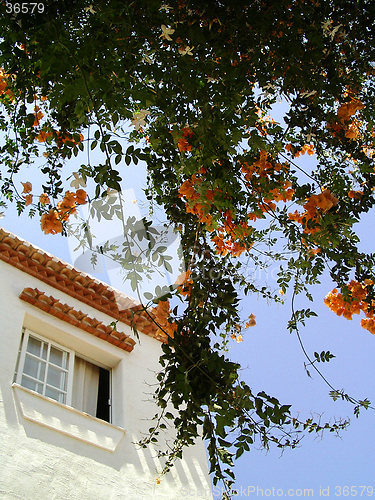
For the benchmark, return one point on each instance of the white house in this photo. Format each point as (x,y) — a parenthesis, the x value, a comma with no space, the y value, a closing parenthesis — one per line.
(75,393)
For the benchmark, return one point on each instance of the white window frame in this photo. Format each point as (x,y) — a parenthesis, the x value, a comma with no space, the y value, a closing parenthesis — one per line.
(70,368)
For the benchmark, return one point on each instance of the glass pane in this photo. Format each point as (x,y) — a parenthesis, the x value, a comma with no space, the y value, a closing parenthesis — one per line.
(56,378)
(31,384)
(34,346)
(54,394)
(57,357)
(34,367)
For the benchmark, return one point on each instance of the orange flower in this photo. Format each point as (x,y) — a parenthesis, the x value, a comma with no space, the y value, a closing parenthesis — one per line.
(307,148)
(187,132)
(348,109)
(68,137)
(335,300)
(43,136)
(184,283)
(251,321)
(80,197)
(183,145)
(187,190)
(184,278)
(237,249)
(67,206)
(43,199)
(50,223)
(315,206)
(352,132)
(28,199)
(356,195)
(161,314)
(3,84)
(38,116)
(344,114)
(331,200)
(27,187)
(368,324)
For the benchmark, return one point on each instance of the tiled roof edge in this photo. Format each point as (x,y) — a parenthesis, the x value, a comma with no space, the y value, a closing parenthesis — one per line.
(76,318)
(79,285)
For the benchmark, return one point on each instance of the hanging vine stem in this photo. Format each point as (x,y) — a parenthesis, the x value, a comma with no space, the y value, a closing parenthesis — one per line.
(334,392)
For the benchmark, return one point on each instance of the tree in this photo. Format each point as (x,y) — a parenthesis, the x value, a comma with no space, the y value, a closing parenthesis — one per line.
(199,81)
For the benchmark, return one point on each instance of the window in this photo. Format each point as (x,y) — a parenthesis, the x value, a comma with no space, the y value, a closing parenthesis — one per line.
(59,373)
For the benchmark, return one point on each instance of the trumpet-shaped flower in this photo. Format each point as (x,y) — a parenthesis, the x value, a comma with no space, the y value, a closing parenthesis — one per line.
(38,115)
(50,223)
(80,197)
(67,206)
(44,199)
(251,321)
(28,199)
(27,187)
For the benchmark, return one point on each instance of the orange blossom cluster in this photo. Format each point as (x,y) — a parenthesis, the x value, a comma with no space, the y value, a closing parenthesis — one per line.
(335,301)
(199,201)
(43,135)
(344,119)
(307,148)
(260,176)
(185,283)
(183,143)
(51,222)
(4,84)
(315,207)
(161,314)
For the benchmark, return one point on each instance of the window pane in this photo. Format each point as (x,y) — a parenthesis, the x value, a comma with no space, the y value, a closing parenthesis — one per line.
(56,378)
(34,346)
(31,384)
(57,357)
(54,394)
(34,367)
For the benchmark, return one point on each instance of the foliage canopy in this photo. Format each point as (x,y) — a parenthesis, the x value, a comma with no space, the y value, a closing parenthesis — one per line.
(199,81)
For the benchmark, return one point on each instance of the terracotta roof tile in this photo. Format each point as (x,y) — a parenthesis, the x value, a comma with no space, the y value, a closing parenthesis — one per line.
(64,277)
(76,318)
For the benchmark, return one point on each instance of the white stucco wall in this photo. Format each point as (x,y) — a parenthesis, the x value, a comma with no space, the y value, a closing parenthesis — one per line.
(50,451)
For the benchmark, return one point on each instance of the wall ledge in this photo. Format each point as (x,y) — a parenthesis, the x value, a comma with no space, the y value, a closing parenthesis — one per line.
(67,420)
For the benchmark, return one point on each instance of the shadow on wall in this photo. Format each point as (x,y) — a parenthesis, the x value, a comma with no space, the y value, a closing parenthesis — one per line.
(68,454)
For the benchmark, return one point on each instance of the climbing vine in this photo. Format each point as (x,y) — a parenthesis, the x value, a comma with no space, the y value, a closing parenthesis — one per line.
(191,89)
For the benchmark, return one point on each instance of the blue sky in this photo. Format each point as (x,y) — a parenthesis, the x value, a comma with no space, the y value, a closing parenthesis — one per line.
(273,362)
